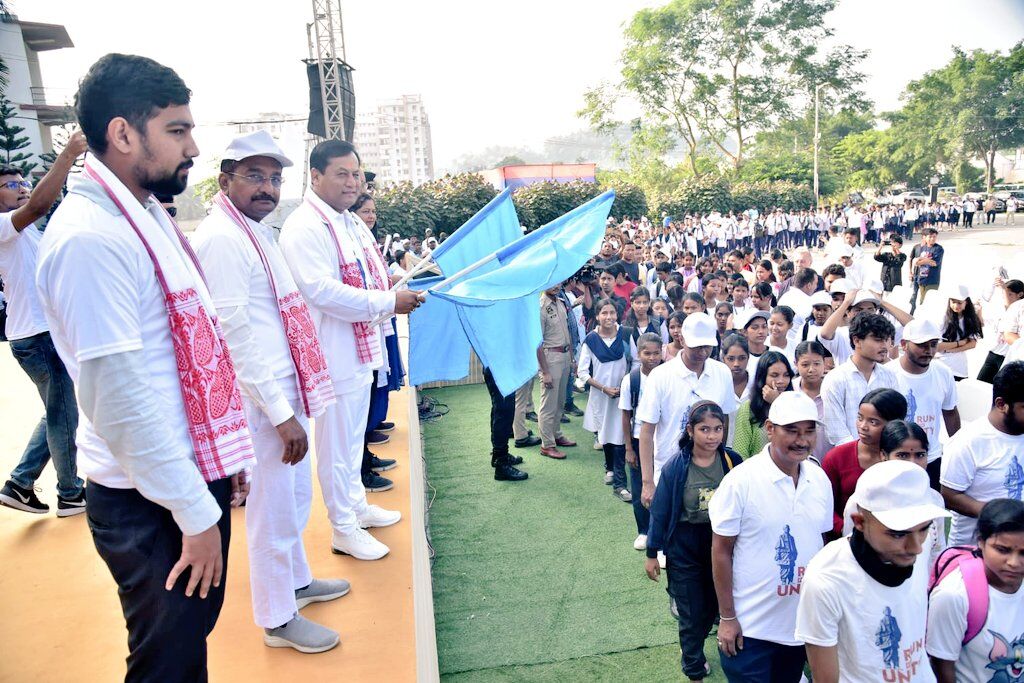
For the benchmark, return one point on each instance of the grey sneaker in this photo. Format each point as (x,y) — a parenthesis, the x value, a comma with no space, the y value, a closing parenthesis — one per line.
(321,590)
(303,635)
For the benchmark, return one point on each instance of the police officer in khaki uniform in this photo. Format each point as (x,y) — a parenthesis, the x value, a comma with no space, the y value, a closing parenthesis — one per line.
(555,358)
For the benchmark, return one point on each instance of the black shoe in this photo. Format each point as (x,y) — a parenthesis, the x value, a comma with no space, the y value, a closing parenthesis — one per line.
(506,472)
(377,438)
(68,507)
(374,483)
(13,496)
(529,441)
(565,420)
(572,409)
(385,426)
(531,416)
(515,460)
(382,464)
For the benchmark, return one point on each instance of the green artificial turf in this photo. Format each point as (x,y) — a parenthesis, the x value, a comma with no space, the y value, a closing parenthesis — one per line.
(537,580)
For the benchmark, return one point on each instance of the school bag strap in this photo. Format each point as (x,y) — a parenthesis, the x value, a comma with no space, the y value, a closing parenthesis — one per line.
(972,570)
(634,390)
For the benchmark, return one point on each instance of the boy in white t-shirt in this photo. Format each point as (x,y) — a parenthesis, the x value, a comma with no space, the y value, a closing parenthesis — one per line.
(994,653)
(985,460)
(768,518)
(864,597)
(929,388)
(649,352)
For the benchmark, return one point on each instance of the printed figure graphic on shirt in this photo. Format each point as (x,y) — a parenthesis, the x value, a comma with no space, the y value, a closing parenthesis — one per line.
(785,557)
(1007,659)
(911,406)
(1014,481)
(887,639)
(704,498)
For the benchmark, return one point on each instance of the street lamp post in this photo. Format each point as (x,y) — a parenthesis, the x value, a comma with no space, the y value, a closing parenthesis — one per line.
(817,200)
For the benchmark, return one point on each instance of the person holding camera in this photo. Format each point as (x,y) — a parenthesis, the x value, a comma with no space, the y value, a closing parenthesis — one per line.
(892,262)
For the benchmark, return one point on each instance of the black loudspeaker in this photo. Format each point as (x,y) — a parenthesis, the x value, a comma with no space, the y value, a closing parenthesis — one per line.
(316,105)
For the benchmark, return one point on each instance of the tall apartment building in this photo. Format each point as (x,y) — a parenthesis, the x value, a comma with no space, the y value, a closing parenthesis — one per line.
(394,141)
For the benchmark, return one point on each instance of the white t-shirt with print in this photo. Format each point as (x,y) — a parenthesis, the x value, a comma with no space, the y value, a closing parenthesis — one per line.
(671,389)
(927,394)
(778,529)
(18,254)
(985,464)
(879,631)
(947,623)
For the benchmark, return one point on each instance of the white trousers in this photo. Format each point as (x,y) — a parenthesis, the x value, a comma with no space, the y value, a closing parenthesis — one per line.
(275,517)
(340,432)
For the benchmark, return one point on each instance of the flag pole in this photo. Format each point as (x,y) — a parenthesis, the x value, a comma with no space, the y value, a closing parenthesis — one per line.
(447,281)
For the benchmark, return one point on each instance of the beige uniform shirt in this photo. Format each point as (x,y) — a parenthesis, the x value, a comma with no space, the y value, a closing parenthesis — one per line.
(554,325)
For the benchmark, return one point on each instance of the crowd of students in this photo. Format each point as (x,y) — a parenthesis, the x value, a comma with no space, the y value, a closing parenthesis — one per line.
(791,445)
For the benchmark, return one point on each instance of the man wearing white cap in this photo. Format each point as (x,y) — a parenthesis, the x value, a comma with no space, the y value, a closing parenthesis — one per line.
(929,388)
(768,518)
(671,389)
(864,600)
(284,381)
(338,267)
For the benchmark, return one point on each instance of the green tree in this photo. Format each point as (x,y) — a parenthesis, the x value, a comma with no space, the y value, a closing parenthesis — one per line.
(721,71)
(969,109)
(406,209)
(541,203)
(206,189)
(12,140)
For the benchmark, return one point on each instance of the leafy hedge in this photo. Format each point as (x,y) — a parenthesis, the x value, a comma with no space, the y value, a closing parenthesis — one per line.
(445,204)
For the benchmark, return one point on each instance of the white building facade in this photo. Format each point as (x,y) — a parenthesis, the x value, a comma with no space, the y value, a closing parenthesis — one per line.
(394,141)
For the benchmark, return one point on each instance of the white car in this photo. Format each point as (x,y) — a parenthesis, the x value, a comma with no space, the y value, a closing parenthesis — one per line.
(910,196)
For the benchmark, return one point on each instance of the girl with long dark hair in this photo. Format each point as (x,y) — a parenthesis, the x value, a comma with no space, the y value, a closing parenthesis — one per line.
(773,376)
(961,330)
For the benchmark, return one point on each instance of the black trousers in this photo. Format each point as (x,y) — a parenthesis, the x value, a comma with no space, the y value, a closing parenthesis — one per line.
(367,463)
(692,589)
(140,542)
(503,409)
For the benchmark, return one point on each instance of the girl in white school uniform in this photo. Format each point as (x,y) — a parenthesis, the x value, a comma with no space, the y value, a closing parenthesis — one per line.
(602,365)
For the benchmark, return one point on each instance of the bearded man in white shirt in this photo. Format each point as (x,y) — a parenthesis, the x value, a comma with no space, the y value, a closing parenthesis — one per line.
(162,438)
(339,270)
(284,381)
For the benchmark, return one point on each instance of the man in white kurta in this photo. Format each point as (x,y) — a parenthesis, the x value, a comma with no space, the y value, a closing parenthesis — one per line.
(337,266)
(248,277)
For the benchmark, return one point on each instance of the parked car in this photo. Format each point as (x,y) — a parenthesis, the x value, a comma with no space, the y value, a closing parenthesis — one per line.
(910,196)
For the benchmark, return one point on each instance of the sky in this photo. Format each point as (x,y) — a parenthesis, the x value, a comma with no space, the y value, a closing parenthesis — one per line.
(490,73)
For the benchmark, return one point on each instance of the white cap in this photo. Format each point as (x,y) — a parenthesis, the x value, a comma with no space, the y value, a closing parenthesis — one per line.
(898,494)
(958,292)
(255,144)
(874,285)
(843,250)
(792,407)
(747,316)
(821,298)
(699,330)
(840,286)
(864,296)
(921,330)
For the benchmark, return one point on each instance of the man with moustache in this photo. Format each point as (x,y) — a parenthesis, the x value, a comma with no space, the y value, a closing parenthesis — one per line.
(339,270)
(768,519)
(31,344)
(284,381)
(163,439)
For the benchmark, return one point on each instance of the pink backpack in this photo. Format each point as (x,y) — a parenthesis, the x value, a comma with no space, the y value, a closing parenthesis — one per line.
(972,568)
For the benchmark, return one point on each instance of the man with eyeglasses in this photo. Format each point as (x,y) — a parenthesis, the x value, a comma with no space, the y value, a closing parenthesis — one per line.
(29,335)
(339,269)
(284,382)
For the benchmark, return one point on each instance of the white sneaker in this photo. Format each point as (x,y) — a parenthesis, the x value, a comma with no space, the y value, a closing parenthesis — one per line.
(359,544)
(608,478)
(376,516)
(598,446)
(640,543)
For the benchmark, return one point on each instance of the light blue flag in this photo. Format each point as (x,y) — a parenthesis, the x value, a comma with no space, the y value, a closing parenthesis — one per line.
(438,346)
(493,227)
(536,261)
(505,335)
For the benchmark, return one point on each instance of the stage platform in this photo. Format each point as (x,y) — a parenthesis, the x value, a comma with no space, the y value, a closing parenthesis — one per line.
(63,620)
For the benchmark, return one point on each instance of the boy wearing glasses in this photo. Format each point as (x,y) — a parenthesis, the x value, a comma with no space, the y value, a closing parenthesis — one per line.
(29,335)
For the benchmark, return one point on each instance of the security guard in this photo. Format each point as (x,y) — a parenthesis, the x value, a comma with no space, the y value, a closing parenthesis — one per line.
(555,358)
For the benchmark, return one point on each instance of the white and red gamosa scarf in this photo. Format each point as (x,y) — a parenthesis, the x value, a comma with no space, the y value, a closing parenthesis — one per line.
(314,378)
(353,274)
(213,403)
